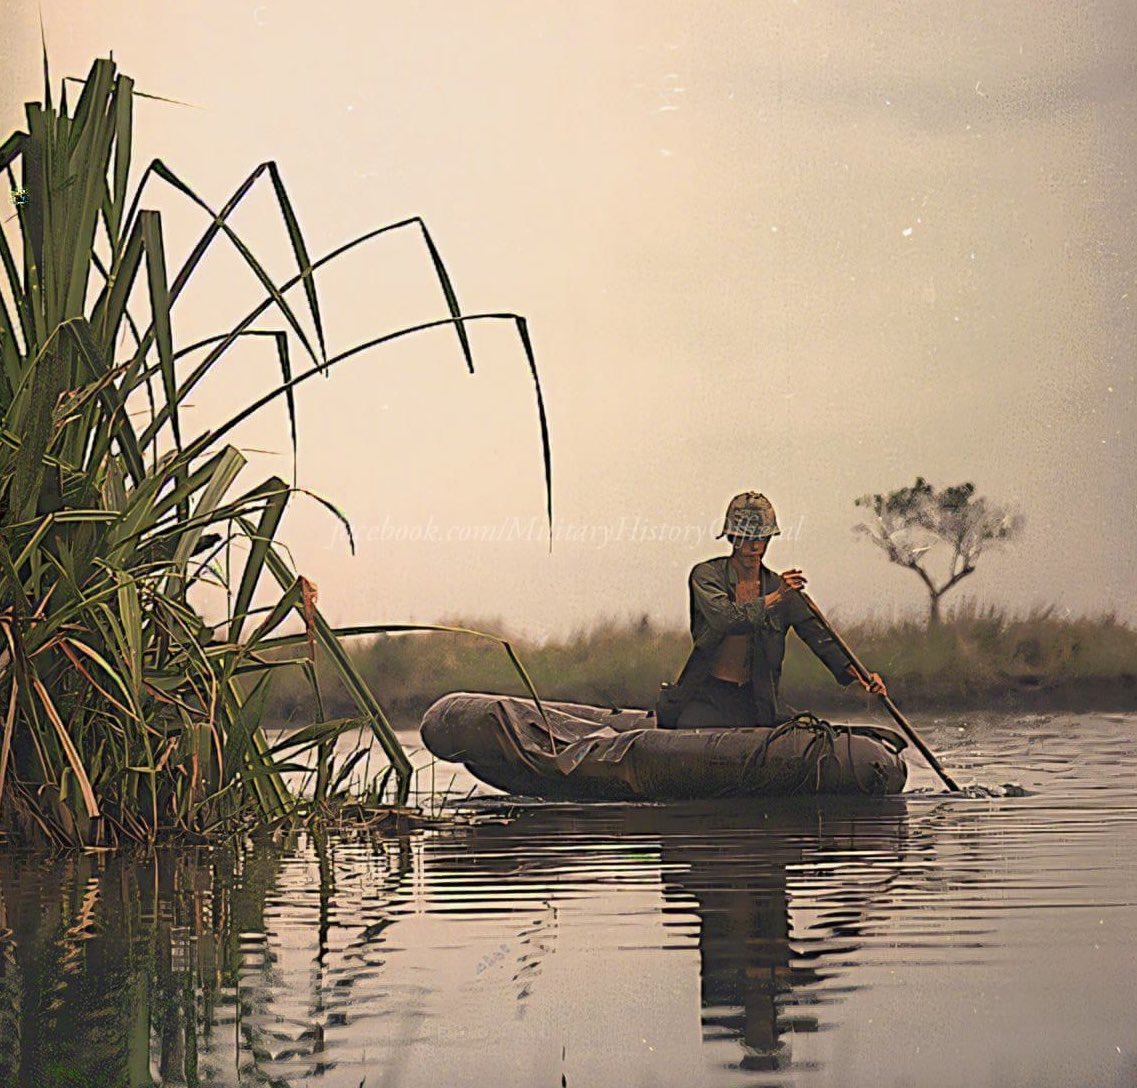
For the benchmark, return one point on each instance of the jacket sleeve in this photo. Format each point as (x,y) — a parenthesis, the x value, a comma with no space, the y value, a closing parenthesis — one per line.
(710,595)
(814,635)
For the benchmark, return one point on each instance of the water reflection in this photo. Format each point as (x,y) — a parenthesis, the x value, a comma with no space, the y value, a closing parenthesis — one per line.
(117,972)
(788,944)
(779,894)
(763,967)
(274,965)
(760,973)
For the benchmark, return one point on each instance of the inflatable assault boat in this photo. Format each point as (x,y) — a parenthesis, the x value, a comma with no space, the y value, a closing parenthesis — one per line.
(576,752)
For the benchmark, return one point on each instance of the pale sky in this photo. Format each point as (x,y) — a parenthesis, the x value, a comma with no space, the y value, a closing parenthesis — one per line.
(813,249)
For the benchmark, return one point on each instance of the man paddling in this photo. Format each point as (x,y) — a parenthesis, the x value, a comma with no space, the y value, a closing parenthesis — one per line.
(740,611)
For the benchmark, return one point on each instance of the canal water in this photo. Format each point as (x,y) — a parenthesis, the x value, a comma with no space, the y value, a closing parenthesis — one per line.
(922,940)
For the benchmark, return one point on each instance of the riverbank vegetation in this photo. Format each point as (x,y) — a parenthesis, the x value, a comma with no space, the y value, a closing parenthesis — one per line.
(976,657)
(126,715)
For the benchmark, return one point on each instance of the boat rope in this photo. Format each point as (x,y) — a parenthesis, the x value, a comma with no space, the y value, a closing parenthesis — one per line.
(821,745)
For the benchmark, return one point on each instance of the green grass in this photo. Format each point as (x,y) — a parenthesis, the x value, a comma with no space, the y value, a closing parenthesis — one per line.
(977,657)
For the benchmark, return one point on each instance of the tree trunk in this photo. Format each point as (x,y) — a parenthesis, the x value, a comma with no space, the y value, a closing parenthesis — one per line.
(934,610)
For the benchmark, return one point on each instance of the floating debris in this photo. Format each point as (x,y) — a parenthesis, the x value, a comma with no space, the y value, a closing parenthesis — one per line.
(1008,789)
(975,790)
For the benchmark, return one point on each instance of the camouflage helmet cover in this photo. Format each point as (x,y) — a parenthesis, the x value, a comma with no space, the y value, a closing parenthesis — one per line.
(750,516)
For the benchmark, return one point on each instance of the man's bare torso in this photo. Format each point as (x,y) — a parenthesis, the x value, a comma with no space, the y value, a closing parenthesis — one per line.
(732,661)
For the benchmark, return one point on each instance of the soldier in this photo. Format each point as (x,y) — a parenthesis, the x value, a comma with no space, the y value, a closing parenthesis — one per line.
(740,611)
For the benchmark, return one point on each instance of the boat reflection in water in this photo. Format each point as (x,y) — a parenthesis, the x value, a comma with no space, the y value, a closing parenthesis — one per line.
(781,890)
(746,961)
(781,893)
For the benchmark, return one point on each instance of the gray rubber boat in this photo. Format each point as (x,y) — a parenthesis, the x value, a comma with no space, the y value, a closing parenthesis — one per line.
(578,752)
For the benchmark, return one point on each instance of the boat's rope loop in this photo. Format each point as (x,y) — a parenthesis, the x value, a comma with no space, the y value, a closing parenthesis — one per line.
(821,745)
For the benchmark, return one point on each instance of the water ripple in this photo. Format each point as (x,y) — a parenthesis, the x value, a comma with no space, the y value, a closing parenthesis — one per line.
(792,943)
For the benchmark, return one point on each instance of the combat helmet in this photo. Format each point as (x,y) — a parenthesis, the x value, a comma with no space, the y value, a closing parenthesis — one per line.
(750,516)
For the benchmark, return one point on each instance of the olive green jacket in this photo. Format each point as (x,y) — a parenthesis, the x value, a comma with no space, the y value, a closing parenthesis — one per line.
(715,614)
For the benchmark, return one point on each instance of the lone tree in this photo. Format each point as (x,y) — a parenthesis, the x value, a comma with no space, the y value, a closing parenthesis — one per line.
(909,523)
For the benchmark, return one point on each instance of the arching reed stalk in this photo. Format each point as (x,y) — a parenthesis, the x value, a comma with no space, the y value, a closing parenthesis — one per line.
(123,716)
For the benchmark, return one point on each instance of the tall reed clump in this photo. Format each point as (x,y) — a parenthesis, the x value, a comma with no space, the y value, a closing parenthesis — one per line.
(123,715)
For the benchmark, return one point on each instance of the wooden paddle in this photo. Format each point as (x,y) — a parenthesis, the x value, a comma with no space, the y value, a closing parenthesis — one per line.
(892,708)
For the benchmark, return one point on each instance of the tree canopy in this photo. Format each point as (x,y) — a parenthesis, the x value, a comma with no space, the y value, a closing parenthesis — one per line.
(913,525)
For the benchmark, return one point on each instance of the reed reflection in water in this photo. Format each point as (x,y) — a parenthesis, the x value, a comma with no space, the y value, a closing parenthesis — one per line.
(121,972)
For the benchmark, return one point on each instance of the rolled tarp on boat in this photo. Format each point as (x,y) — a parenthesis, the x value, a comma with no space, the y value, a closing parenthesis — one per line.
(578,752)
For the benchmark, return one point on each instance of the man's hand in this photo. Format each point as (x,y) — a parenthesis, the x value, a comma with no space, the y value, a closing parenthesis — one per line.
(791,580)
(874,685)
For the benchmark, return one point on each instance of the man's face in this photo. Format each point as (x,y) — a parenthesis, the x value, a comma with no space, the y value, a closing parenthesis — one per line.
(748,553)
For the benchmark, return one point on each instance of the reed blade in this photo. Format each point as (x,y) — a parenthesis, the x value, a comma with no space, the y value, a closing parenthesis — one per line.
(154,248)
(300,252)
(354,682)
(262,538)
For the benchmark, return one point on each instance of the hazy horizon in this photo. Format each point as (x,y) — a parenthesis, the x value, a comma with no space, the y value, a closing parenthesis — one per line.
(813,250)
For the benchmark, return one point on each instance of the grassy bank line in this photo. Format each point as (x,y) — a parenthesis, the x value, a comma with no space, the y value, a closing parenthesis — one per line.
(978,658)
